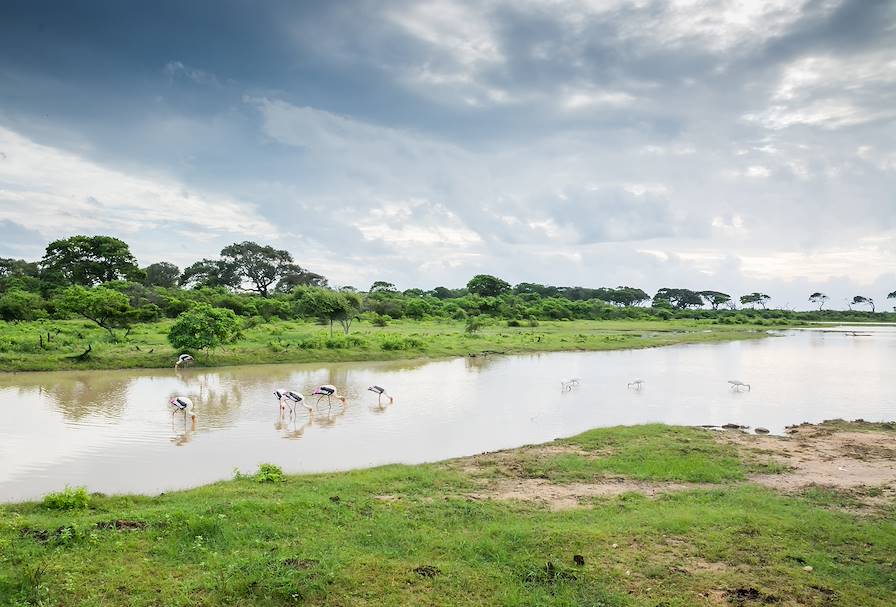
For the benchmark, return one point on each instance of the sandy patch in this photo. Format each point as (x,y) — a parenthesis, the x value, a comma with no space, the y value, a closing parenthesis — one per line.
(572,495)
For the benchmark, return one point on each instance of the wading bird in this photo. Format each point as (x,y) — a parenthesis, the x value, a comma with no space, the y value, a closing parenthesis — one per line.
(290,398)
(636,384)
(184,405)
(380,392)
(569,384)
(329,391)
(183,359)
(737,385)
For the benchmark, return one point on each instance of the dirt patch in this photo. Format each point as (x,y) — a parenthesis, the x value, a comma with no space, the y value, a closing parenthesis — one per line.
(572,495)
(861,463)
(510,462)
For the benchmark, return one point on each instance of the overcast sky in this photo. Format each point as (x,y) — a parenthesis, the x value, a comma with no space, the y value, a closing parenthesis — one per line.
(733,144)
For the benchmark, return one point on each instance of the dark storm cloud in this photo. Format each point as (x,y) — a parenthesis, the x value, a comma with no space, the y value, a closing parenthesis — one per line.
(552,140)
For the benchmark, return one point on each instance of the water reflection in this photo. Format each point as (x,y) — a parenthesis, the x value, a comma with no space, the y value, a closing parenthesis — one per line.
(113,430)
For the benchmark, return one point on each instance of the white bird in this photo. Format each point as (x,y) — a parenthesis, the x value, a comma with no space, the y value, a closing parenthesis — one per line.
(184,405)
(636,384)
(380,391)
(569,384)
(290,398)
(329,391)
(737,385)
(183,359)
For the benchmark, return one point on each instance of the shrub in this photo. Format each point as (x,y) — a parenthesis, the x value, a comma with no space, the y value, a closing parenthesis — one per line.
(70,498)
(203,327)
(395,342)
(21,305)
(269,473)
(513,322)
(474,324)
(380,320)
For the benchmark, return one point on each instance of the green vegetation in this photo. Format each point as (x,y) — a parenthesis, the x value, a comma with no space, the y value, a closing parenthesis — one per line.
(68,499)
(255,304)
(432,535)
(61,344)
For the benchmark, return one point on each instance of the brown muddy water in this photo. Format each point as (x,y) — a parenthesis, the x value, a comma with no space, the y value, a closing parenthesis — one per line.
(112,431)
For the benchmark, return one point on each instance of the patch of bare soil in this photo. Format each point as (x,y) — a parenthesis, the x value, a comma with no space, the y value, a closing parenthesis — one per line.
(862,464)
(571,495)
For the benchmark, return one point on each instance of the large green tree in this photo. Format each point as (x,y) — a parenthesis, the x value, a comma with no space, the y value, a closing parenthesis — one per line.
(88,261)
(161,274)
(487,285)
(331,306)
(754,298)
(258,265)
(106,307)
(299,278)
(203,327)
(210,273)
(16,304)
(678,298)
(715,298)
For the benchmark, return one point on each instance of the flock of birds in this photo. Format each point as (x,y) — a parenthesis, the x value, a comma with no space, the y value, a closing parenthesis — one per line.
(288,399)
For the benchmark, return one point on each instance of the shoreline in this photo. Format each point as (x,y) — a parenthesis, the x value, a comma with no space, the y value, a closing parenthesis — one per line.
(429,341)
(623,516)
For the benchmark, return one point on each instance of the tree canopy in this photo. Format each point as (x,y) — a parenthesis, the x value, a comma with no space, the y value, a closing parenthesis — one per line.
(261,266)
(203,327)
(161,274)
(818,298)
(106,307)
(861,300)
(678,298)
(755,298)
(487,285)
(715,298)
(88,261)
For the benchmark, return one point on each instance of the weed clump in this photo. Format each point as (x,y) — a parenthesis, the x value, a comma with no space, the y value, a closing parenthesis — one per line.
(269,473)
(70,498)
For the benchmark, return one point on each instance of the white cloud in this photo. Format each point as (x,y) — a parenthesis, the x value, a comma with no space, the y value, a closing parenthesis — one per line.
(57,192)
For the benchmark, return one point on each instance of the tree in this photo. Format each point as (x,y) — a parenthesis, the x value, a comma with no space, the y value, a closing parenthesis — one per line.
(487,285)
(17,304)
(330,306)
(10,267)
(818,298)
(89,260)
(262,266)
(627,296)
(755,298)
(892,296)
(106,307)
(299,278)
(381,286)
(203,327)
(678,298)
(161,274)
(209,273)
(860,300)
(715,298)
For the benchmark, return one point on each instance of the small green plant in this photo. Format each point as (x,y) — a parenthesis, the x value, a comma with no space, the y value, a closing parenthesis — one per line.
(474,324)
(395,342)
(70,498)
(380,320)
(269,473)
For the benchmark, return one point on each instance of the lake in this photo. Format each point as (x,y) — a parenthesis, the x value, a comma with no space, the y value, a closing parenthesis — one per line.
(112,431)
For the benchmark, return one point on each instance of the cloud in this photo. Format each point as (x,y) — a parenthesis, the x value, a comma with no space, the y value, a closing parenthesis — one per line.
(56,192)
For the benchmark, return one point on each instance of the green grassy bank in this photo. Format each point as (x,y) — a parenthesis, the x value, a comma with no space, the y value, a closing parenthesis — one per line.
(55,345)
(432,535)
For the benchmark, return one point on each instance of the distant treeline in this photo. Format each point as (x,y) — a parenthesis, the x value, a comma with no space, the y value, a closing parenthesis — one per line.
(97,277)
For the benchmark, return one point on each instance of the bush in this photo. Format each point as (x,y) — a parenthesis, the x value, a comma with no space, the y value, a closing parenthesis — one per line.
(380,320)
(269,473)
(21,305)
(203,327)
(513,322)
(474,324)
(71,498)
(395,342)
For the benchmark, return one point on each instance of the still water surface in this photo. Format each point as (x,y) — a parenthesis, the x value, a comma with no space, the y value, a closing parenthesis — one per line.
(113,431)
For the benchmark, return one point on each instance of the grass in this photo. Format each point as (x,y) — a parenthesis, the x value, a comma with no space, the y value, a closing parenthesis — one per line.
(55,345)
(647,452)
(411,535)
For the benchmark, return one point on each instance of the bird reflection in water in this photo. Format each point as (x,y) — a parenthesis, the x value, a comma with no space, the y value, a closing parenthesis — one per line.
(183,430)
(291,426)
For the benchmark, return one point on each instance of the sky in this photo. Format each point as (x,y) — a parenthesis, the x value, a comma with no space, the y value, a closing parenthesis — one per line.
(733,145)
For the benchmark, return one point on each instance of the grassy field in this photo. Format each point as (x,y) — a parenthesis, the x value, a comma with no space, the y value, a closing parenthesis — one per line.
(435,535)
(52,345)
